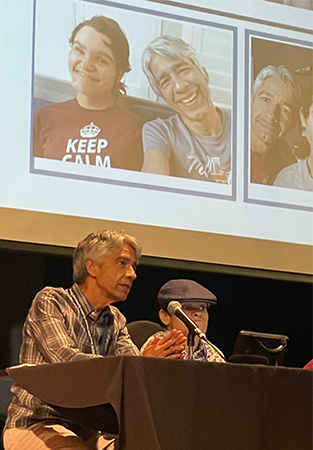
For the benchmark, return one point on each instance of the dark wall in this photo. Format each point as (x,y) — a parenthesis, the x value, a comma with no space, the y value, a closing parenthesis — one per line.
(244,302)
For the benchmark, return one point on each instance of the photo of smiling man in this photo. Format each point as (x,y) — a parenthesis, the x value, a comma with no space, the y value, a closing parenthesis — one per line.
(195,142)
(273,114)
(92,129)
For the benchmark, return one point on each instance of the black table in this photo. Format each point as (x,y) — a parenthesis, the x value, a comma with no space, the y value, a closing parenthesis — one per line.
(158,404)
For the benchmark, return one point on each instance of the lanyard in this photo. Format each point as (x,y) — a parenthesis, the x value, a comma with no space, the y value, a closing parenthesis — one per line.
(87,327)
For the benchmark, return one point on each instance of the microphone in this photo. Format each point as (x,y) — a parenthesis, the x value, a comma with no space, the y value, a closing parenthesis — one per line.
(174,308)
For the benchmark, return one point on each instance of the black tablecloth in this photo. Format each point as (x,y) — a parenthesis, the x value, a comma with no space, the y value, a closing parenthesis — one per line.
(160,404)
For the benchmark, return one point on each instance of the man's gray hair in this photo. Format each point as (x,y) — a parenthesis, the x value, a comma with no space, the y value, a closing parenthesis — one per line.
(281,72)
(96,246)
(169,47)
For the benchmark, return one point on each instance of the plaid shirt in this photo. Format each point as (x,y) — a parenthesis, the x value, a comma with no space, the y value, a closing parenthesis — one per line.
(62,325)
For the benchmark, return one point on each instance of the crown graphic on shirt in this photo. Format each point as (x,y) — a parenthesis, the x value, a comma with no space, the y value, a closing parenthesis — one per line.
(90,131)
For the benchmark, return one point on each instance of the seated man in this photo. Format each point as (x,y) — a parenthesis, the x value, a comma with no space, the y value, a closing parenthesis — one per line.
(74,324)
(195,301)
(196,141)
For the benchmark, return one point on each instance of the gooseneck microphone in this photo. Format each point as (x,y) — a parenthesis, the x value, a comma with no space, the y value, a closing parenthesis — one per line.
(174,308)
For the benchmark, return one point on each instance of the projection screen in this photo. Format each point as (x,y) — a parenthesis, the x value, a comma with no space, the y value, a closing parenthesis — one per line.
(211,215)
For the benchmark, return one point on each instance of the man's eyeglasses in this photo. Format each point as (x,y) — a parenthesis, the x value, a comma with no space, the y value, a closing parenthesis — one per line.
(194,306)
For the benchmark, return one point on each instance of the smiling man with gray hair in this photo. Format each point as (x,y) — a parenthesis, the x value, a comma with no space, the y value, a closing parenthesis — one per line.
(274,110)
(194,142)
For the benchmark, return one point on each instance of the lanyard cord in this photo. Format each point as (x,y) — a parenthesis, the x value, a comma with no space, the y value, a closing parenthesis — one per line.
(87,327)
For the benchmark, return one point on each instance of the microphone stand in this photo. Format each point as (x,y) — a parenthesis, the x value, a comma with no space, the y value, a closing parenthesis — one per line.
(203,338)
(190,344)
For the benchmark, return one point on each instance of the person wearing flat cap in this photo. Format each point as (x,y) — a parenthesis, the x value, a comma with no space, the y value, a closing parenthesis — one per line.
(195,301)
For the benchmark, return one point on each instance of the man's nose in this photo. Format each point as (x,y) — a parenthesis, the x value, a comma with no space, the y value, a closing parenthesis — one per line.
(273,111)
(179,82)
(131,273)
(193,313)
(87,62)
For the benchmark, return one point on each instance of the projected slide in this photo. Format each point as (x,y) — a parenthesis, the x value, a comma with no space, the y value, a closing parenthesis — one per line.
(181,117)
(186,131)
(280,146)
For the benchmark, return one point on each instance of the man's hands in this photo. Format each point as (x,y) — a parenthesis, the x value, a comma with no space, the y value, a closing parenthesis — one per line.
(169,346)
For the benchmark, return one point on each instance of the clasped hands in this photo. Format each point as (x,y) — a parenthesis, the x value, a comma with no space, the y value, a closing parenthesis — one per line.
(171,346)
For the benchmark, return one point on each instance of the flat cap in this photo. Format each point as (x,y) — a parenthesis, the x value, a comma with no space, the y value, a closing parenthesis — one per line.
(184,290)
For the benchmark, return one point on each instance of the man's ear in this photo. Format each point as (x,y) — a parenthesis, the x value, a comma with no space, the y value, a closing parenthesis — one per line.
(165,317)
(92,267)
(303,121)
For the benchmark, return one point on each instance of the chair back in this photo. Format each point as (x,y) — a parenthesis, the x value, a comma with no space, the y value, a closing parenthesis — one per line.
(141,330)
